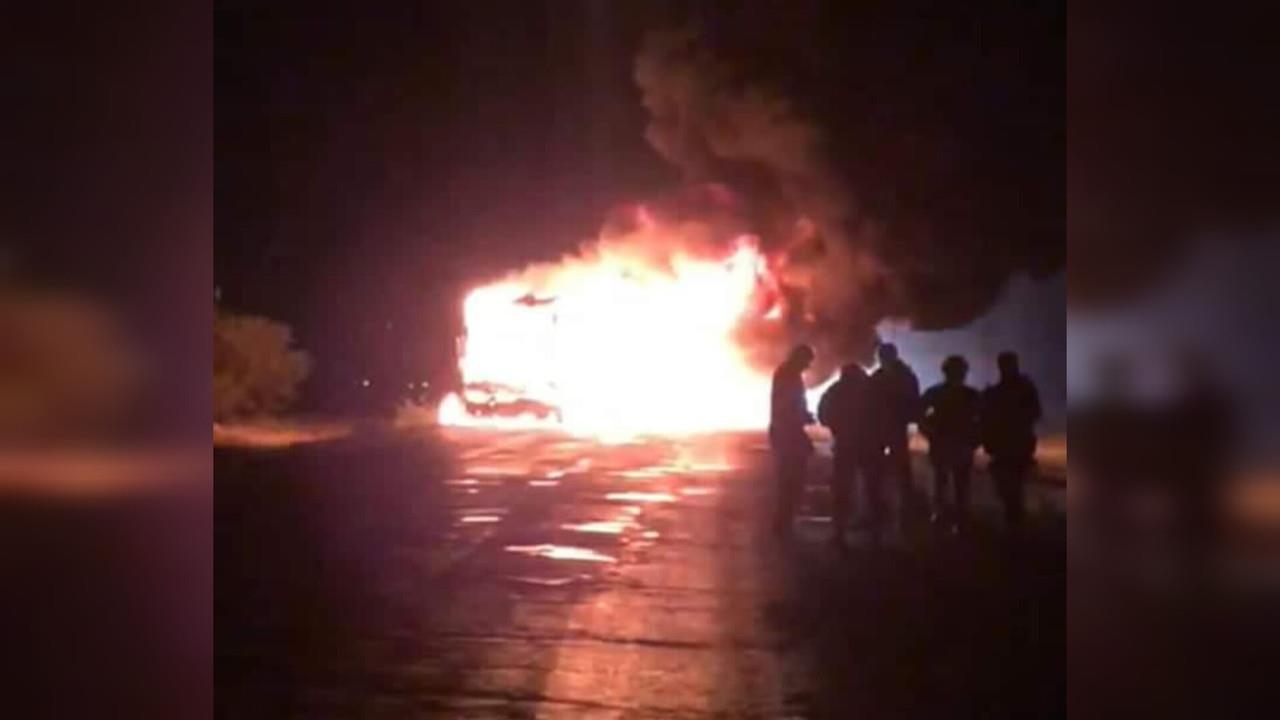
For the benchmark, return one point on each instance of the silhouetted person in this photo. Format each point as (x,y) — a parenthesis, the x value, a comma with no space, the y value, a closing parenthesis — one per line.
(788,414)
(951,423)
(1010,411)
(895,399)
(845,410)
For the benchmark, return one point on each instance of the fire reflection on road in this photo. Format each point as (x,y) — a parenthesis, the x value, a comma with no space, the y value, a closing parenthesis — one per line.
(547,498)
(561,552)
(513,573)
(606,527)
(614,559)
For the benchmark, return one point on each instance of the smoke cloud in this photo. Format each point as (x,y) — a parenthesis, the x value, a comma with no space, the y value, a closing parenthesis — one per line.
(869,219)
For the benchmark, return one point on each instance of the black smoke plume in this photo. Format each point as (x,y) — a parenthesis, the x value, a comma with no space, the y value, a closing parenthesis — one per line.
(898,170)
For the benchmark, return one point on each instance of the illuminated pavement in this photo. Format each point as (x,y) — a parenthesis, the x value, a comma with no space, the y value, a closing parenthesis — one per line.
(481,574)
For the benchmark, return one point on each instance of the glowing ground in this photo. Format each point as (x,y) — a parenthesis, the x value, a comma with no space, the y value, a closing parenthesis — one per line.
(468,573)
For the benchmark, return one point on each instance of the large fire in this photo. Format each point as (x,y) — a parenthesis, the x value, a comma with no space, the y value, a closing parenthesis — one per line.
(639,334)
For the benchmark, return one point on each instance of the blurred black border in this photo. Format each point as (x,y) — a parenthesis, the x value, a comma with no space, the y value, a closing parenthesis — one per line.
(106,195)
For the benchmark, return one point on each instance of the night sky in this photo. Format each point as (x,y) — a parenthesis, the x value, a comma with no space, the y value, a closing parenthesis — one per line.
(373,163)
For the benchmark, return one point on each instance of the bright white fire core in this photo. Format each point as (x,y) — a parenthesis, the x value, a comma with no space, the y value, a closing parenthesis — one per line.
(625,338)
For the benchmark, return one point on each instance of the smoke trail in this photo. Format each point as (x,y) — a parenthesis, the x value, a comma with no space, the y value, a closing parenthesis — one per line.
(946,231)
(705,121)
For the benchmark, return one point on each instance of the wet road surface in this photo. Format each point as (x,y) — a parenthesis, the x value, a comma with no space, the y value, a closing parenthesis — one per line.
(482,574)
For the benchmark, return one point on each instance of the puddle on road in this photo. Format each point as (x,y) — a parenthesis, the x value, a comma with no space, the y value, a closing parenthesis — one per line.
(470,486)
(813,519)
(640,497)
(495,472)
(460,483)
(561,552)
(542,581)
(708,467)
(480,515)
(695,491)
(641,473)
(669,470)
(602,527)
(521,510)
(479,519)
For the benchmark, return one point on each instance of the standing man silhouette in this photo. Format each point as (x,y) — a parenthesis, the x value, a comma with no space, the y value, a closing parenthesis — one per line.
(895,394)
(844,409)
(1010,410)
(950,422)
(788,414)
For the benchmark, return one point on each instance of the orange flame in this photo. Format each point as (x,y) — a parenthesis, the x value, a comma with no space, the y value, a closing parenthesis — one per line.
(628,337)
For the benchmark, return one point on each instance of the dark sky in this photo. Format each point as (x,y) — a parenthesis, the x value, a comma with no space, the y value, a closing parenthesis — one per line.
(370,163)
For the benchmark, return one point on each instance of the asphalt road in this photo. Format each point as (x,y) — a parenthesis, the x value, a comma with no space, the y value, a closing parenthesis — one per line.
(464,574)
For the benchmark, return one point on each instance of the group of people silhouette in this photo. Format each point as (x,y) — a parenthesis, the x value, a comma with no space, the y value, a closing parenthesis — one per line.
(868,416)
